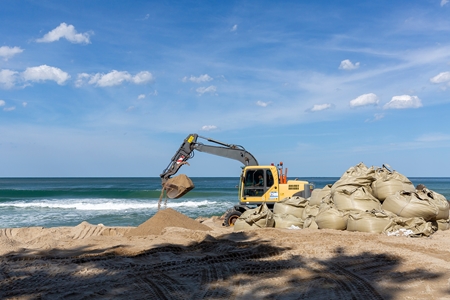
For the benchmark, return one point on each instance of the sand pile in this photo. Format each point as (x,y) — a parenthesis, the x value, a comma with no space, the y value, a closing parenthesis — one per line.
(166,218)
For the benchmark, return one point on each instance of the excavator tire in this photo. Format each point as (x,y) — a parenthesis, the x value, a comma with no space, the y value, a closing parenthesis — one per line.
(231,216)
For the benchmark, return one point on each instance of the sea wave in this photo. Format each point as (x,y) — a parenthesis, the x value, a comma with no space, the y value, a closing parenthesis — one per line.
(105,204)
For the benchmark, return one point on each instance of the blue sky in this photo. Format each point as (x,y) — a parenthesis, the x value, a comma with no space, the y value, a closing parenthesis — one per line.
(109,88)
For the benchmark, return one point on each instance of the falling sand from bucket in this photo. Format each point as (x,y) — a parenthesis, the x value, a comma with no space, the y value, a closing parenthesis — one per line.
(175,188)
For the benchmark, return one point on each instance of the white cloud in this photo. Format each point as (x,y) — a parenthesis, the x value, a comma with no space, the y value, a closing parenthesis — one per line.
(320,107)
(402,102)
(65,31)
(110,79)
(210,89)
(262,104)
(82,77)
(9,108)
(7,78)
(142,77)
(234,28)
(376,117)
(441,77)
(199,79)
(45,72)
(443,2)
(24,104)
(209,127)
(433,137)
(113,78)
(348,65)
(364,100)
(2,102)
(141,96)
(8,52)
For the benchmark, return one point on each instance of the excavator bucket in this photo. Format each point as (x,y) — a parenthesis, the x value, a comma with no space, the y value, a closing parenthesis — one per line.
(178,186)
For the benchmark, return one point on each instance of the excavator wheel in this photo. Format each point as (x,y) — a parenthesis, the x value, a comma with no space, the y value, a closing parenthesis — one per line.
(231,216)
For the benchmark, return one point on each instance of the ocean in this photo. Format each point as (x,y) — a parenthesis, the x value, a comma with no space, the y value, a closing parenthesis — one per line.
(51,202)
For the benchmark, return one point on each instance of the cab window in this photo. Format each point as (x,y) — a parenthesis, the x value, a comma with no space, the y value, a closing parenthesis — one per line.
(257,182)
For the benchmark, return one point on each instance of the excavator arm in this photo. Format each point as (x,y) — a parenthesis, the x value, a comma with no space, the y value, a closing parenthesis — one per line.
(190,143)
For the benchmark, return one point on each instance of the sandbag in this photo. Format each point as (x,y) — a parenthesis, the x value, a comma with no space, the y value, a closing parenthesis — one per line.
(317,195)
(178,186)
(329,217)
(286,221)
(256,218)
(443,224)
(310,223)
(309,211)
(411,204)
(373,221)
(359,198)
(308,216)
(354,177)
(417,227)
(389,182)
(291,205)
(328,200)
(438,200)
(241,225)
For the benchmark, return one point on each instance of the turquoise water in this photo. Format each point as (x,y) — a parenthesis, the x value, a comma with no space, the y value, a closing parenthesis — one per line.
(50,202)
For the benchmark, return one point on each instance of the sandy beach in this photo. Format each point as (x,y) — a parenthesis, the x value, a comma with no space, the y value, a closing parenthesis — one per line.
(171,256)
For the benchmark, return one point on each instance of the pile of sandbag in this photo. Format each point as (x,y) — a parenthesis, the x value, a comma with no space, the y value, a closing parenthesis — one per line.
(378,200)
(256,218)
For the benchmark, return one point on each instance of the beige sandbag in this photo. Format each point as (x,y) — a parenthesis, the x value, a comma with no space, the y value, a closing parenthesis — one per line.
(368,221)
(443,224)
(240,223)
(328,199)
(256,218)
(310,223)
(329,217)
(291,205)
(356,199)
(411,204)
(308,216)
(318,194)
(310,211)
(354,177)
(438,200)
(286,221)
(389,182)
(414,227)
(178,186)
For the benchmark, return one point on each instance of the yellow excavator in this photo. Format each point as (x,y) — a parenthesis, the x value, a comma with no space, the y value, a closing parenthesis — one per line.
(258,183)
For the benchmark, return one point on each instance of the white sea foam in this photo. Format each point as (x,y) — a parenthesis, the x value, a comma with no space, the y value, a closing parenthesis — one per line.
(105,204)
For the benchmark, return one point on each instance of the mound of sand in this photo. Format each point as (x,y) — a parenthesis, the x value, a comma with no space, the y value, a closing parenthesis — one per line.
(166,218)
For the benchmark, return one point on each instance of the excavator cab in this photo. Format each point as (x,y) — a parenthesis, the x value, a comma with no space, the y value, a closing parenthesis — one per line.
(258,185)
(256,182)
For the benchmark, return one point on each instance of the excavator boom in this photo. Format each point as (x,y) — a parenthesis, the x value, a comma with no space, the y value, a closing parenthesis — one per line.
(186,151)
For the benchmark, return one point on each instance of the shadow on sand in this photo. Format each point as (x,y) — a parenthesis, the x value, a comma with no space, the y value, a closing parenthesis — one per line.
(230,267)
